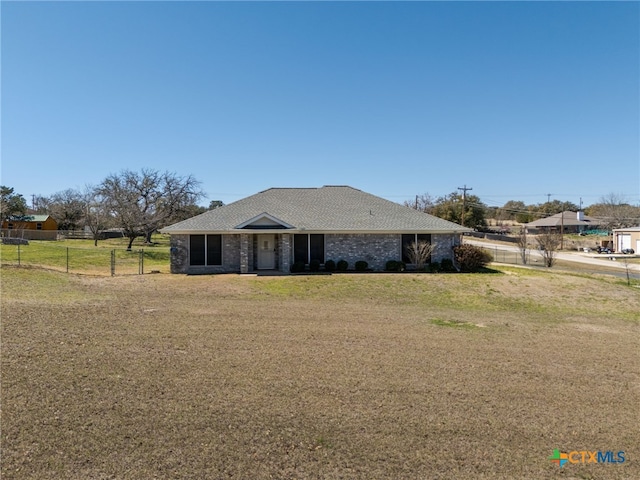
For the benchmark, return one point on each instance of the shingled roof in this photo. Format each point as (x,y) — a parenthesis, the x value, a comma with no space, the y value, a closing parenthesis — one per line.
(327,209)
(567,218)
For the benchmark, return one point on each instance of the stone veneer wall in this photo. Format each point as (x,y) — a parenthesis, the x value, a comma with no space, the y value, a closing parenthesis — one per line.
(375,249)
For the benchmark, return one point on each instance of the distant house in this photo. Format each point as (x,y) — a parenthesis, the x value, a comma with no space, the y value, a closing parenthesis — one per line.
(277,227)
(30,222)
(572,222)
(30,227)
(625,238)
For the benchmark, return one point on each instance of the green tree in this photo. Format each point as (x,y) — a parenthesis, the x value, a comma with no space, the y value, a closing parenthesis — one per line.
(450,207)
(515,210)
(556,206)
(11,204)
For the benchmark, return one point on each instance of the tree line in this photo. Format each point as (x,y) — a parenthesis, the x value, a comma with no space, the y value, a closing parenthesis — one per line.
(137,203)
(612,210)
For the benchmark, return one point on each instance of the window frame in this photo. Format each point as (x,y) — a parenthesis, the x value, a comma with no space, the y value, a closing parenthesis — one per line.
(310,251)
(208,250)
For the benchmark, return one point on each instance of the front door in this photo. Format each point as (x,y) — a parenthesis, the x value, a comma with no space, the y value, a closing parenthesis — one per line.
(266,252)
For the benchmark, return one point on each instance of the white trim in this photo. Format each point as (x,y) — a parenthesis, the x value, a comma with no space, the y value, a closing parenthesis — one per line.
(324,232)
(263,215)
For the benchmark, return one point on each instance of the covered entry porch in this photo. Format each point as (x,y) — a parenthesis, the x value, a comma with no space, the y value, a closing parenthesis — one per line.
(262,251)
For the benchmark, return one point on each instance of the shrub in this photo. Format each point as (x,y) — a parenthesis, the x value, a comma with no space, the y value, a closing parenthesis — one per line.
(361,266)
(297,267)
(314,265)
(395,266)
(471,258)
(419,253)
(330,265)
(342,265)
(434,267)
(446,265)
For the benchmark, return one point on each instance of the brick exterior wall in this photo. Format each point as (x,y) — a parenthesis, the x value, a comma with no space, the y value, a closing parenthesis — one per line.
(230,256)
(444,246)
(284,252)
(375,249)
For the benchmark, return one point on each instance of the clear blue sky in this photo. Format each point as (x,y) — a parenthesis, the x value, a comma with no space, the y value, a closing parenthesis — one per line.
(515,99)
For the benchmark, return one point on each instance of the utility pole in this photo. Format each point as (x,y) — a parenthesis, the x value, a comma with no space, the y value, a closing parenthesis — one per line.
(562,230)
(549,197)
(464,201)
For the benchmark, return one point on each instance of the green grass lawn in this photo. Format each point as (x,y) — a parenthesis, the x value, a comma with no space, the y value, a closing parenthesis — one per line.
(81,256)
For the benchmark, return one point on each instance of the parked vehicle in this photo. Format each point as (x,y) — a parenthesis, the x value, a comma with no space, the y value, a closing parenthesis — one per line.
(604,250)
(628,251)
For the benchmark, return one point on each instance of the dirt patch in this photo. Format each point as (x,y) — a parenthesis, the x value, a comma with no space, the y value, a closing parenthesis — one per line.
(165,376)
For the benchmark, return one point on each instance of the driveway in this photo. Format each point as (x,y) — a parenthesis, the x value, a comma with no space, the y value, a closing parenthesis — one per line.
(607,261)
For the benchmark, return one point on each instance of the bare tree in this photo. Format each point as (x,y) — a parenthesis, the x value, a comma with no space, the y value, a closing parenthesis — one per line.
(96,216)
(424,203)
(615,212)
(549,243)
(627,267)
(141,203)
(420,253)
(66,207)
(522,246)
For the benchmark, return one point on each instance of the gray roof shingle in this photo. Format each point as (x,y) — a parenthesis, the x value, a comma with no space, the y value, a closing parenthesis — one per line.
(569,219)
(325,209)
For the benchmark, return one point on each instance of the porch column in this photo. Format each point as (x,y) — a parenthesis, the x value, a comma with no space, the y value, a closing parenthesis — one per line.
(285,253)
(244,253)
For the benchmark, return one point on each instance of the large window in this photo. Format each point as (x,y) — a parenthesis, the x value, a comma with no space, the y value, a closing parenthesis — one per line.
(205,249)
(408,239)
(308,247)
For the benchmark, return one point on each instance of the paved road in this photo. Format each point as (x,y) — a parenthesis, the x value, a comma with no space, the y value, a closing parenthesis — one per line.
(579,257)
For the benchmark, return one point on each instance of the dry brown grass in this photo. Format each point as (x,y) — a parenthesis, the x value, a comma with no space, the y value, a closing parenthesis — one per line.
(344,376)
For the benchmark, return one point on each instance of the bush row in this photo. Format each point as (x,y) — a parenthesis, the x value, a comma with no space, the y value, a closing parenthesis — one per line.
(329,266)
(468,257)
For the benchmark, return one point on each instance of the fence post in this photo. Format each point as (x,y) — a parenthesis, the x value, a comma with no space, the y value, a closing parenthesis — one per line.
(67,259)
(113,262)
(141,262)
(18,254)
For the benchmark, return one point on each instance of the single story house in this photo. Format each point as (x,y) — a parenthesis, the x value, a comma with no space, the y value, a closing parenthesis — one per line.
(30,227)
(30,222)
(570,222)
(624,238)
(277,227)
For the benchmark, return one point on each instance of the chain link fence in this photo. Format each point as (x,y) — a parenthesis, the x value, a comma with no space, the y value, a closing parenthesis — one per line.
(532,257)
(97,261)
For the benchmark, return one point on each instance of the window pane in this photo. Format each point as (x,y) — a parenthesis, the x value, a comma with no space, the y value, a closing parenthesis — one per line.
(301,248)
(317,247)
(214,249)
(407,239)
(196,249)
(425,237)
